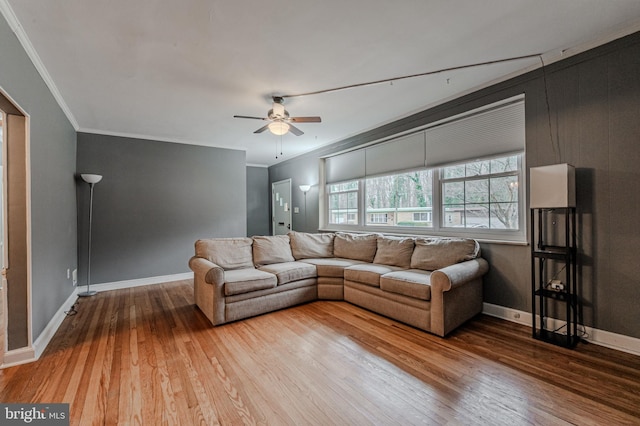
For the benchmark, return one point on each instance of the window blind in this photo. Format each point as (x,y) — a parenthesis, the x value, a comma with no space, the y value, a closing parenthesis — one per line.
(494,131)
(404,153)
(347,166)
(497,131)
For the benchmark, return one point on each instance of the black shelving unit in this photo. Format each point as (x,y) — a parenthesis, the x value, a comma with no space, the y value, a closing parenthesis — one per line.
(563,256)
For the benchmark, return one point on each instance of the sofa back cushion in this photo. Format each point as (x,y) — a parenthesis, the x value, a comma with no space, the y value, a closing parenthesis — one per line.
(311,246)
(437,253)
(394,251)
(228,253)
(271,249)
(355,246)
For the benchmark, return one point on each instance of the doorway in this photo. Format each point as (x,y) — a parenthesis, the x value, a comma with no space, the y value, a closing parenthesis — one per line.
(15,302)
(3,277)
(281,205)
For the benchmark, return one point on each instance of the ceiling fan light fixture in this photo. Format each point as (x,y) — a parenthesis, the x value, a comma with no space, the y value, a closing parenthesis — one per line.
(278,128)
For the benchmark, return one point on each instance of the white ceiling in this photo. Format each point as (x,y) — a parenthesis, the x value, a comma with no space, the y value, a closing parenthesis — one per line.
(179,70)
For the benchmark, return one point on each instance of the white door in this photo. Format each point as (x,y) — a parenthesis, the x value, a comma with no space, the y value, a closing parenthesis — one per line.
(281,202)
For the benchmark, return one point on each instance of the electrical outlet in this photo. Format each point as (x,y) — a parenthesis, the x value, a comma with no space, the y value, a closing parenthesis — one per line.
(74,274)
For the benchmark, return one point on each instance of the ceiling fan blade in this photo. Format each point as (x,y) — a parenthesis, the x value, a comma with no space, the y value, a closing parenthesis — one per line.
(262,129)
(293,129)
(247,116)
(305,119)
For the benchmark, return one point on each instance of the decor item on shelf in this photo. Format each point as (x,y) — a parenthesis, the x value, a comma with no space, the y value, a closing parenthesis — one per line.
(552,186)
(91,179)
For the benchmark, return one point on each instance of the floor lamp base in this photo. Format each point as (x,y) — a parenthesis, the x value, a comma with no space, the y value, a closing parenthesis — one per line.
(88,293)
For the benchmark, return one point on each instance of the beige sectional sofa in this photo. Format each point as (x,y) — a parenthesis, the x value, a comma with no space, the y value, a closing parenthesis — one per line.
(434,284)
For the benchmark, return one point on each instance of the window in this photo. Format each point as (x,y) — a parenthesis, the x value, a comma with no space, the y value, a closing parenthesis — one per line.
(422,217)
(398,197)
(378,218)
(343,203)
(481,194)
(477,198)
(461,176)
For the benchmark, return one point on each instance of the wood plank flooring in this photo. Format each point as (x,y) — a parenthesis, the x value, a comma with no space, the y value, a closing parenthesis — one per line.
(148,356)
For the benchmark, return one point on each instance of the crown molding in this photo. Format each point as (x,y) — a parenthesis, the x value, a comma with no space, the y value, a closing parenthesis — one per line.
(152,138)
(18,30)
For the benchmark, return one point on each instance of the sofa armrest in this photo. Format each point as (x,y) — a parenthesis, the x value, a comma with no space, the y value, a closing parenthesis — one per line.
(452,276)
(208,288)
(456,294)
(209,271)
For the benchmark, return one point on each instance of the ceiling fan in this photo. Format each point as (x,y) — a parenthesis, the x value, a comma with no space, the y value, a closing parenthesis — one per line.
(280,121)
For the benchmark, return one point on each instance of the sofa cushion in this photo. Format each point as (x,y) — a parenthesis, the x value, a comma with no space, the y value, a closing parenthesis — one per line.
(437,253)
(306,246)
(368,273)
(414,283)
(290,271)
(394,251)
(228,253)
(332,267)
(271,249)
(355,246)
(241,281)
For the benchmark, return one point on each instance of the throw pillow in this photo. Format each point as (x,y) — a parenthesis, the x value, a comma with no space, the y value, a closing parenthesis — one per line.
(355,246)
(228,253)
(271,249)
(437,253)
(394,251)
(309,246)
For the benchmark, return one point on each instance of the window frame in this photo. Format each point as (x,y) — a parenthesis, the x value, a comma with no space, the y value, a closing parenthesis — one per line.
(437,212)
(347,212)
(515,235)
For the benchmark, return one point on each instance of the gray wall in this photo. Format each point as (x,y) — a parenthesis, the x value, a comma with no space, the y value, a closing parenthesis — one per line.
(302,170)
(154,201)
(52,151)
(594,120)
(258,199)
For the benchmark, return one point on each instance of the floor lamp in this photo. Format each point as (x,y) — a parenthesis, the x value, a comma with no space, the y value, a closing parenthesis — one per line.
(91,180)
(305,189)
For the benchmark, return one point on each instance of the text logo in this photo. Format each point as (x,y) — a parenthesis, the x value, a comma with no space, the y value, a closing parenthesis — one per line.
(34,414)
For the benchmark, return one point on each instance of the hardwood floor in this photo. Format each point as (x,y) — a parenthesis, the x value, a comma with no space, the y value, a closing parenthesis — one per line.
(148,356)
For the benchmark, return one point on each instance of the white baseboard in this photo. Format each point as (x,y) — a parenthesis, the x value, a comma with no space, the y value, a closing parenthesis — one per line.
(47,334)
(32,353)
(117,285)
(608,339)
(18,356)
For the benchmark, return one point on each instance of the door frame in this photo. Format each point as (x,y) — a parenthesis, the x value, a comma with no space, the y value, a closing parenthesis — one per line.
(16,116)
(273,205)
(5,255)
